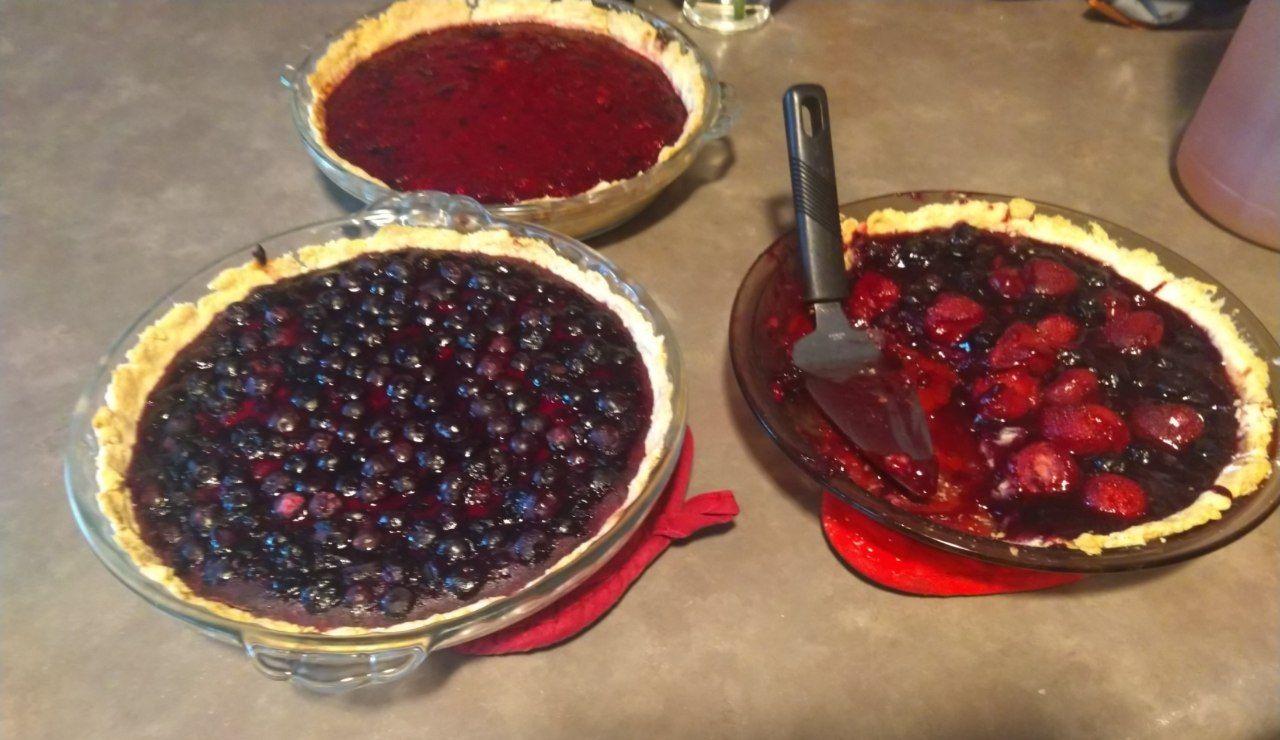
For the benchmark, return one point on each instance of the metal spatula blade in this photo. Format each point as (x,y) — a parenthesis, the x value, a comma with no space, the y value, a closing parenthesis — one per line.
(844,370)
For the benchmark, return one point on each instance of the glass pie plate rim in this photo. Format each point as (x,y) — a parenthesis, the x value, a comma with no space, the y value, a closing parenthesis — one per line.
(1245,513)
(331,663)
(581,216)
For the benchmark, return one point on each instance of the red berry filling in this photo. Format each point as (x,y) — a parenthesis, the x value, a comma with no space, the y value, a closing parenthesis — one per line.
(1041,469)
(388,438)
(872,295)
(1049,277)
(1086,429)
(951,318)
(504,113)
(1007,395)
(1134,332)
(1173,426)
(1115,495)
(1061,397)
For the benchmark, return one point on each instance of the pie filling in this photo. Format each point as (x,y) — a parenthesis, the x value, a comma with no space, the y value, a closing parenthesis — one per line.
(389,438)
(1061,397)
(504,112)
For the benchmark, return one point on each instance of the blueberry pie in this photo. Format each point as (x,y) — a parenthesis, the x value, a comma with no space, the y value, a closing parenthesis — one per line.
(506,101)
(1078,393)
(372,433)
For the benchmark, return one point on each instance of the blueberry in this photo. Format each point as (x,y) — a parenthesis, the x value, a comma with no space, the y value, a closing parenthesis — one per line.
(237,496)
(357,596)
(464,582)
(605,438)
(421,536)
(401,452)
(559,438)
(377,466)
(612,403)
(396,602)
(320,596)
(447,429)
(530,546)
(324,504)
(545,476)
(367,539)
(454,549)
(430,461)
(451,488)
(380,432)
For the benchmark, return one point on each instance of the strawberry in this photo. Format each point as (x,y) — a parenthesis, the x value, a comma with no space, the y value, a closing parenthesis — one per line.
(920,480)
(1134,332)
(951,317)
(1173,426)
(1109,493)
(1073,386)
(873,294)
(1114,302)
(1007,395)
(1058,330)
(1021,346)
(933,380)
(1049,277)
(1007,282)
(1041,469)
(1085,429)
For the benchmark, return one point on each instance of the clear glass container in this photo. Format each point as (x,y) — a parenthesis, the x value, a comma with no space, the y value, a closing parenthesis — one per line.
(331,663)
(728,16)
(757,361)
(580,216)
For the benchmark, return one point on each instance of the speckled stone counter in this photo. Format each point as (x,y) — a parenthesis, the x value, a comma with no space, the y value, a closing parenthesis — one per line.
(140,139)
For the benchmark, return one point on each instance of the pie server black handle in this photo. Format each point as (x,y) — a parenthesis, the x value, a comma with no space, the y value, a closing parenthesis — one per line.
(813,189)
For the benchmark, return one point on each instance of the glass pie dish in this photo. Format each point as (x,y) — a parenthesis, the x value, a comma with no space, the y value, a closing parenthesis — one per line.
(580,216)
(757,361)
(327,662)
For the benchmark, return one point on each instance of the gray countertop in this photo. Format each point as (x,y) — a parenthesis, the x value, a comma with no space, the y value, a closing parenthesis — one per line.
(139,139)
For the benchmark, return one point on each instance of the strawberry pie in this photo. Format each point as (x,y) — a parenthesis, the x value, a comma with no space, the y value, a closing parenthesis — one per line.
(1077,392)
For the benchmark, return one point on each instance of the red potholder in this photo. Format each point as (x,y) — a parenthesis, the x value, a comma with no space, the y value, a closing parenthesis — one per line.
(673,518)
(898,562)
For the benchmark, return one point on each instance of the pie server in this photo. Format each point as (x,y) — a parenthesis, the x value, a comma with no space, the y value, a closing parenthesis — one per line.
(844,370)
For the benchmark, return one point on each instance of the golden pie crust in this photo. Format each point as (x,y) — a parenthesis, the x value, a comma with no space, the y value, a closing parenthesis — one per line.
(115,423)
(1255,412)
(409,18)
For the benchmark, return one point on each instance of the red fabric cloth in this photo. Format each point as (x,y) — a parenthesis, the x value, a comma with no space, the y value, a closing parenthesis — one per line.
(900,563)
(673,518)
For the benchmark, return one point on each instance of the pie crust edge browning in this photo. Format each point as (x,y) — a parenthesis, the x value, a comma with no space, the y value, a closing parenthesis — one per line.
(1255,412)
(409,18)
(115,423)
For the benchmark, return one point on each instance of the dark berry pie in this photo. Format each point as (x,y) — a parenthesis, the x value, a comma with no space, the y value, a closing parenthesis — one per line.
(373,433)
(1077,392)
(506,101)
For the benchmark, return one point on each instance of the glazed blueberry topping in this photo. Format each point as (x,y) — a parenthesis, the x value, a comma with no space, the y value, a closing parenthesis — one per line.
(1061,397)
(389,437)
(504,113)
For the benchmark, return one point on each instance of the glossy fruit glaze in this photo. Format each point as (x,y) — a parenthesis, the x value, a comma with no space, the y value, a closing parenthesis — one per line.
(504,113)
(389,438)
(1061,397)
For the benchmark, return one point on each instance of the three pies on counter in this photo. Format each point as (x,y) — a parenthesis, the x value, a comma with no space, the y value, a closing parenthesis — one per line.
(372,434)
